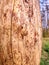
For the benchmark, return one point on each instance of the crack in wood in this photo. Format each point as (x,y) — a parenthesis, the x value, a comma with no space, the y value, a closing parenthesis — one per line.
(30,10)
(26,1)
(11,35)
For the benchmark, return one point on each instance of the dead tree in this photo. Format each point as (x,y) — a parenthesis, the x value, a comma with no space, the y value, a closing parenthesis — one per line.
(20,32)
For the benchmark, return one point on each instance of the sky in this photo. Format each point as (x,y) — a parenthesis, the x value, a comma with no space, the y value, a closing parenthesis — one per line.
(43,4)
(43,7)
(44,1)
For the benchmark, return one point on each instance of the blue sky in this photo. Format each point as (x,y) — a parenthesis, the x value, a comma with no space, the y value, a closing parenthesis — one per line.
(43,4)
(44,1)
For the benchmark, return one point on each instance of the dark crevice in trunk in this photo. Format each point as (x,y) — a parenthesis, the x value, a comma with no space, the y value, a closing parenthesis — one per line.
(30,14)
(11,35)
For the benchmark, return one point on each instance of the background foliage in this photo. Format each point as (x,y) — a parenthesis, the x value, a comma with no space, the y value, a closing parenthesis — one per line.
(45,52)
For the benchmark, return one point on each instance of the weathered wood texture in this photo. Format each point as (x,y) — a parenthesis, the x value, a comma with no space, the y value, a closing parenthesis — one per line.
(20,32)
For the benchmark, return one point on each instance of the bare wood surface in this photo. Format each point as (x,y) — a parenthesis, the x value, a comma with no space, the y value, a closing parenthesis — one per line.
(6,6)
(20,32)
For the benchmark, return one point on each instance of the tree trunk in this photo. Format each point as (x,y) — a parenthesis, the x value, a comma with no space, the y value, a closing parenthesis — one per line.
(20,32)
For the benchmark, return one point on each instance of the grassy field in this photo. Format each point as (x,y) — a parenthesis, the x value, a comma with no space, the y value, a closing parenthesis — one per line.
(45,52)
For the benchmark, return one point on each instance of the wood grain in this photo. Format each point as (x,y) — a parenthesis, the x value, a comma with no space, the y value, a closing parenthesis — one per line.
(20,32)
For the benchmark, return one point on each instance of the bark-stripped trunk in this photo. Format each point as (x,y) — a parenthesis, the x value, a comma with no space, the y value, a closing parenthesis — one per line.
(20,32)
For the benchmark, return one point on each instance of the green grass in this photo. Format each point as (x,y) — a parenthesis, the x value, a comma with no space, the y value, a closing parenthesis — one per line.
(45,52)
